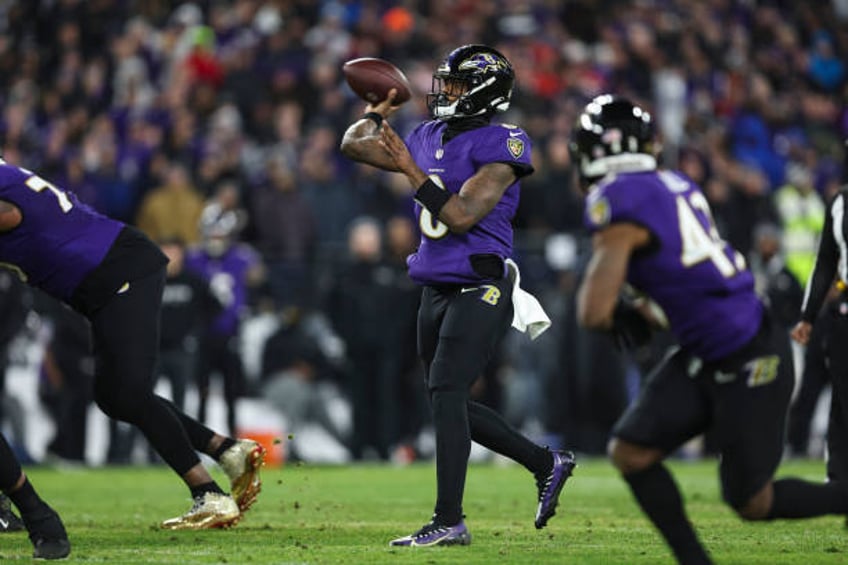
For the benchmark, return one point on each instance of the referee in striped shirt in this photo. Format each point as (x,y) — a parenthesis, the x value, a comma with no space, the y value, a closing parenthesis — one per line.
(830,274)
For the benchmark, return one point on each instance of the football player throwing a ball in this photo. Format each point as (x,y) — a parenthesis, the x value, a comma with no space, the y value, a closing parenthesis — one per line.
(465,170)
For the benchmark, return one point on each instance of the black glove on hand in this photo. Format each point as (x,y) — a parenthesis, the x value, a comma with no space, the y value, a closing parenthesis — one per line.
(630,329)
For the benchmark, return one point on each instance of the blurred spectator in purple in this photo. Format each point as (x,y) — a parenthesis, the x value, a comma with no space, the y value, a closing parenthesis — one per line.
(234,270)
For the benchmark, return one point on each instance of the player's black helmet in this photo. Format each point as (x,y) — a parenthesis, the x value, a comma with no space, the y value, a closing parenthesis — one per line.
(487,75)
(612,135)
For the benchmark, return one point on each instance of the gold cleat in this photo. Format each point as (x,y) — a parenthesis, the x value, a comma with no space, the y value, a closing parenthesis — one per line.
(212,510)
(241,463)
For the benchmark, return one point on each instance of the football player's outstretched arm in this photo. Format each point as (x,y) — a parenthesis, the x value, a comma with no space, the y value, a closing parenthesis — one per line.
(478,195)
(361,141)
(606,273)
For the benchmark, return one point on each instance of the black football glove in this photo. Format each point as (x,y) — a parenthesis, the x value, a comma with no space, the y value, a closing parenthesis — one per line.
(630,329)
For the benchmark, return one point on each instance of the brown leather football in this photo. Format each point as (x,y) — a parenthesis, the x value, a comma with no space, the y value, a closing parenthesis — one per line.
(371,79)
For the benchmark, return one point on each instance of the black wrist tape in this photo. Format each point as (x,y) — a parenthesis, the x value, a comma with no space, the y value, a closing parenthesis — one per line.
(432,197)
(374,117)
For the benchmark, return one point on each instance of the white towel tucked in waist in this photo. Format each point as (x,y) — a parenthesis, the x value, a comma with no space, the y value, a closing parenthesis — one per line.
(529,316)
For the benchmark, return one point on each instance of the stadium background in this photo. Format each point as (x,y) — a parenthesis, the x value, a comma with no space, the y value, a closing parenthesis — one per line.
(109,98)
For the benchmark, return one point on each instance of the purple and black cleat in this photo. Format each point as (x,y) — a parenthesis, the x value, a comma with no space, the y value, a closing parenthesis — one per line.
(551,485)
(433,534)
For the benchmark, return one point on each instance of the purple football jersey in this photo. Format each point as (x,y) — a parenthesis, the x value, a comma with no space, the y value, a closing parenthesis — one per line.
(701,283)
(442,256)
(60,239)
(227,276)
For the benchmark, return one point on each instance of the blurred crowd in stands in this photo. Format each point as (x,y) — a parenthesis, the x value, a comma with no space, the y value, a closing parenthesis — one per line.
(214,126)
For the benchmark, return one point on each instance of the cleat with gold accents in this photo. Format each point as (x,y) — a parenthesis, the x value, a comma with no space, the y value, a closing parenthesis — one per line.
(241,463)
(212,510)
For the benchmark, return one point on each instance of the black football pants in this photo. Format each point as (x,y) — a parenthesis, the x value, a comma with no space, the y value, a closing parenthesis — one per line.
(458,330)
(126,343)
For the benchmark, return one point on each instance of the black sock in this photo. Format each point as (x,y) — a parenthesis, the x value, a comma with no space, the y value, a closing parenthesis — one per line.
(225,445)
(453,445)
(26,499)
(200,490)
(658,495)
(162,426)
(198,434)
(794,498)
(490,430)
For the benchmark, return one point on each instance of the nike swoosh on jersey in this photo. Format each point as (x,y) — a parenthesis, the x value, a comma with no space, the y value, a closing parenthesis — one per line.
(469,289)
(515,133)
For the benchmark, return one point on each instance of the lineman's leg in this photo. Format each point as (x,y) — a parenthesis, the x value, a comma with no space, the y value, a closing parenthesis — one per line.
(46,531)
(126,341)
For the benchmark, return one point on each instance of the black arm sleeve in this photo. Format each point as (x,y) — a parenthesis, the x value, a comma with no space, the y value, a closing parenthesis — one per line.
(825,268)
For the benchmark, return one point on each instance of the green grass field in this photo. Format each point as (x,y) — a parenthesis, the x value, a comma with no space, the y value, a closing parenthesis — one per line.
(348,514)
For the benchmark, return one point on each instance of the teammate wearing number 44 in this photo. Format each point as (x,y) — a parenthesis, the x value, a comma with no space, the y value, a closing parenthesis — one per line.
(732,373)
(113,275)
(466,173)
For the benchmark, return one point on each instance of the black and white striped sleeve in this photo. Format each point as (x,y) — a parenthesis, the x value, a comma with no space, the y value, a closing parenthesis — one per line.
(830,258)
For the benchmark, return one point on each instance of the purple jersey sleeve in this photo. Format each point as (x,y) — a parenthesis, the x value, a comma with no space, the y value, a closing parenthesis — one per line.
(702,283)
(503,144)
(59,240)
(442,256)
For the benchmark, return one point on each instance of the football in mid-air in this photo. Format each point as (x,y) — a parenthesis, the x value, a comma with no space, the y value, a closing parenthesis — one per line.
(371,79)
